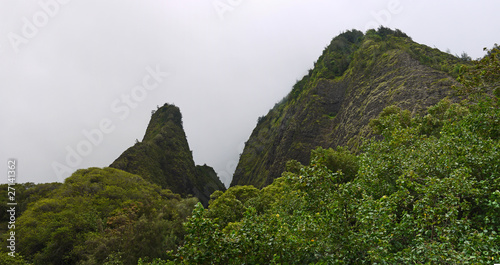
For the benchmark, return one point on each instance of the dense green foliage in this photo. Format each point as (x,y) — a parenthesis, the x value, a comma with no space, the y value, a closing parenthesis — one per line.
(8,260)
(101,216)
(337,56)
(164,158)
(427,193)
(355,78)
(26,193)
(483,77)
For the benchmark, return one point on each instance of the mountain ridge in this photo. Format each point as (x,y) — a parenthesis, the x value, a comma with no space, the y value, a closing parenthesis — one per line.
(353,80)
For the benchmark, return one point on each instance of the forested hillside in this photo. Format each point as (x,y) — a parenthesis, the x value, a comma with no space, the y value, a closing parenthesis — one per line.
(355,78)
(387,152)
(428,192)
(101,216)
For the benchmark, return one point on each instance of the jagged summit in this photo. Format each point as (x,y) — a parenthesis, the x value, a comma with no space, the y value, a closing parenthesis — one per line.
(355,78)
(163,157)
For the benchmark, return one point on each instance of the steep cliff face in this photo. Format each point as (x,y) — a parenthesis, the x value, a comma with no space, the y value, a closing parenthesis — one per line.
(355,78)
(163,157)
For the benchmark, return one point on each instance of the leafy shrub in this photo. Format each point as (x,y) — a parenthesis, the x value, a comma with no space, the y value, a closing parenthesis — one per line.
(428,192)
(102,216)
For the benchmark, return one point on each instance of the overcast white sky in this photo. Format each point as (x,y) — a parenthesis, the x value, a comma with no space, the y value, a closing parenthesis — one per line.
(68,66)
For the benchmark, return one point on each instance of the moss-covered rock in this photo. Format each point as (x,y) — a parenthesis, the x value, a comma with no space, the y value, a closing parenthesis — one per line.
(164,158)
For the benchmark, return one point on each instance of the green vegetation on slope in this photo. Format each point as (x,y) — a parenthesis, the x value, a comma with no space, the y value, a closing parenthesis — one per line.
(26,193)
(427,193)
(353,80)
(101,216)
(164,158)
